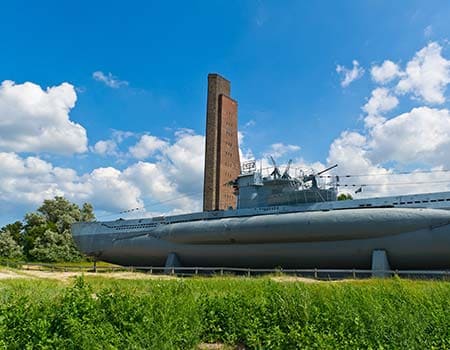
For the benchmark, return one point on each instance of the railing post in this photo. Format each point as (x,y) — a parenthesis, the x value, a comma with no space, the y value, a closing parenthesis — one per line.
(221,271)
(95,265)
(196,270)
(248,272)
(315,273)
(354,274)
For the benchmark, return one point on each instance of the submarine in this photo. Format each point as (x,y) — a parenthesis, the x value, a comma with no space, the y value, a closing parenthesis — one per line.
(283,221)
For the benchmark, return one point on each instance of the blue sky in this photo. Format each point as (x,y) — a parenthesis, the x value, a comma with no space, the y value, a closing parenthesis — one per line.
(154,58)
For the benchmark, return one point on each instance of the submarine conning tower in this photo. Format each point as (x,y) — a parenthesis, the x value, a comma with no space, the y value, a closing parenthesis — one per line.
(254,190)
(222,163)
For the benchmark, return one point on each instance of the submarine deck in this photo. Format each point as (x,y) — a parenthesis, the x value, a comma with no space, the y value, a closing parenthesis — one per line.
(437,200)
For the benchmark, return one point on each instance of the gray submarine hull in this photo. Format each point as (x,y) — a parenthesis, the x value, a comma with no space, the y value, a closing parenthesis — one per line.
(413,238)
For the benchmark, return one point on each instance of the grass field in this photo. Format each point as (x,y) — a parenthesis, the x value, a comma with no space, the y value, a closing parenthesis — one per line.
(258,313)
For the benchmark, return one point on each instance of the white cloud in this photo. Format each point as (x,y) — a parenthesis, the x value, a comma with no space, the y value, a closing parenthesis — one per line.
(380,102)
(377,180)
(350,152)
(110,147)
(386,72)
(37,120)
(28,181)
(120,135)
(151,180)
(245,154)
(31,180)
(109,79)
(241,136)
(105,148)
(174,179)
(147,146)
(349,75)
(427,75)
(110,190)
(280,149)
(353,154)
(421,135)
(184,161)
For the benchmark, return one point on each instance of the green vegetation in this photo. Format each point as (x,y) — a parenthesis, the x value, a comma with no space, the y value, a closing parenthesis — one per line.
(344,197)
(98,313)
(45,234)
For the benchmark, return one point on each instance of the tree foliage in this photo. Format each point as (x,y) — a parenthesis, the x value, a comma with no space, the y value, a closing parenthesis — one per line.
(15,230)
(45,235)
(52,246)
(9,248)
(344,197)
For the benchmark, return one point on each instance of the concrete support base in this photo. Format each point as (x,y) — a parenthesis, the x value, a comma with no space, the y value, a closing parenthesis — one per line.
(380,264)
(172,262)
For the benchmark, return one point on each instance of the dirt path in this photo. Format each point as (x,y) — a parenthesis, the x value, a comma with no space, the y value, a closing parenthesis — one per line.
(7,274)
(66,276)
(294,279)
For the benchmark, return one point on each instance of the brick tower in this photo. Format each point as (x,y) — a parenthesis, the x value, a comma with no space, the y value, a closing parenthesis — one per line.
(222,162)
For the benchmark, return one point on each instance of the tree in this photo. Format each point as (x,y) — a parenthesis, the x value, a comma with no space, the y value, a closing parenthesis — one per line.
(9,248)
(15,230)
(60,212)
(87,212)
(47,236)
(52,246)
(35,226)
(344,197)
